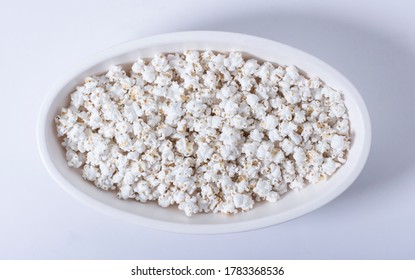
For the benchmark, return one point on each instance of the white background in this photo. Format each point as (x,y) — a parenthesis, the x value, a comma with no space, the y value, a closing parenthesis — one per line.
(370,42)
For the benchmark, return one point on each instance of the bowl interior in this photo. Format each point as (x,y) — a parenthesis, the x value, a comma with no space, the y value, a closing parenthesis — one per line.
(290,206)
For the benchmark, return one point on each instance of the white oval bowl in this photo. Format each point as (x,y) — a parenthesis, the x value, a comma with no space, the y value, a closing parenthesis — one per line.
(292,205)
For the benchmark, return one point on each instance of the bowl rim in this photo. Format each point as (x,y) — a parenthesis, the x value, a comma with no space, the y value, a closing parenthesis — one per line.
(172,226)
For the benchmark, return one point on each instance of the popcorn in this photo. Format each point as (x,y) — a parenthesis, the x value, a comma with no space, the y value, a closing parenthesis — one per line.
(243,201)
(205,131)
(73,159)
(329,166)
(262,188)
(252,100)
(270,122)
(233,61)
(338,143)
